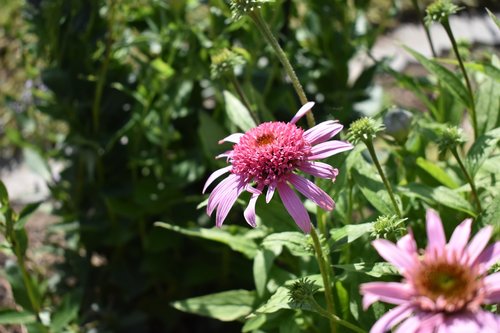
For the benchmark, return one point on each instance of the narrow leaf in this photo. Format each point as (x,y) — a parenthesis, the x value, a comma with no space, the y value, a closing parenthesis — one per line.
(13,317)
(436,172)
(377,270)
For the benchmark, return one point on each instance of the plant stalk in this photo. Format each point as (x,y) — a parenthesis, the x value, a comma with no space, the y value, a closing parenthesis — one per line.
(371,150)
(333,317)
(426,28)
(470,180)
(243,97)
(325,275)
(447,28)
(268,35)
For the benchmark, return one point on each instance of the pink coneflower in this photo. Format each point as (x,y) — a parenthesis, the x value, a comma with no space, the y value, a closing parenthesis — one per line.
(268,155)
(443,288)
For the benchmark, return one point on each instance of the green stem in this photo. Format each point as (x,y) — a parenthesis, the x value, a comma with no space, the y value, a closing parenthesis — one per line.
(268,35)
(426,28)
(323,268)
(371,150)
(244,98)
(333,317)
(470,180)
(447,28)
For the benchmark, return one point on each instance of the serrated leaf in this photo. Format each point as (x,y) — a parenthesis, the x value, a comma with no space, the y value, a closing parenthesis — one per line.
(236,242)
(13,317)
(491,216)
(226,306)
(481,149)
(351,232)
(237,112)
(377,270)
(440,195)
(447,78)
(436,172)
(281,300)
(296,242)
(487,104)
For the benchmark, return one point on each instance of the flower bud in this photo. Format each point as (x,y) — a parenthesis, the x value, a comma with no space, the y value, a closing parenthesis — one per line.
(439,11)
(398,123)
(224,61)
(388,227)
(302,291)
(363,129)
(450,138)
(242,7)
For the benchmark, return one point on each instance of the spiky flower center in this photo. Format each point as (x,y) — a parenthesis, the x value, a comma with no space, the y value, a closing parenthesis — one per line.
(450,284)
(268,153)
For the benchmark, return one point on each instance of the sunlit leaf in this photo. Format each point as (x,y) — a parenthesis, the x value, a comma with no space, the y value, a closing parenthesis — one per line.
(14,317)
(237,112)
(377,270)
(436,172)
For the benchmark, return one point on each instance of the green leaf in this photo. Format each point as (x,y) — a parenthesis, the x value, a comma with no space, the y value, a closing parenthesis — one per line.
(37,163)
(262,264)
(66,312)
(481,150)
(491,216)
(4,195)
(441,195)
(280,299)
(447,78)
(25,214)
(351,232)
(237,112)
(494,18)
(487,105)
(210,132)
(163,68)
(296,242)
(226,306)
(436,172)
(13,317)
(238,243)
(377,270)
(374,191)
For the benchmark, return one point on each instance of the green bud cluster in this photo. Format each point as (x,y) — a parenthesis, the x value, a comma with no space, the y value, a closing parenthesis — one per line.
(451,137)
(242,7)
(302,291)
(363,129)
(439,11)
(224,61)
(388,227)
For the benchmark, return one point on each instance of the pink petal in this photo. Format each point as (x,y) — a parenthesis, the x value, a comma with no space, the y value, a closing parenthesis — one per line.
(319,169)
(435,232)
(478,243)
(392,318)
(302,111)
(226,154)
(407,244)
(226,203)
(249,212)
(393,254)
(234,138)
(216,174)
(390,292)
(329,148)
(462,323)
(313,192)
(220,191)
(460,237)
(489,321)
(489,257)
(295,207)
(410,325)
(322,132)
(492,287)
(270,192)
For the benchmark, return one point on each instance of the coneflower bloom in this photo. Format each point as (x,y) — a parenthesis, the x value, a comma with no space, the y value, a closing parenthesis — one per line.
(443,287)
(269,155)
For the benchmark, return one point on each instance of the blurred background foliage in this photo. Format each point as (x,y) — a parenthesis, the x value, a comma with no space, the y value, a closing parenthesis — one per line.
(120,93)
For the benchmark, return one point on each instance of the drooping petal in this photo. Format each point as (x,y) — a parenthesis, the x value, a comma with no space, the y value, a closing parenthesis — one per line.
(295,207)
(393,254)
(390,292)
(226,204)
(319,169)
(478,243)
(407,243)
(234,138)
(322,132)
(392,318)
(460,237)
(216,174)
(226,154)
(462,323)
(435,232)
(329,148)
(302,111)
(489,257)
(490,322)
(270,192)
(410,325)
(492,288)
(311,191)
(221,190)
(249,212)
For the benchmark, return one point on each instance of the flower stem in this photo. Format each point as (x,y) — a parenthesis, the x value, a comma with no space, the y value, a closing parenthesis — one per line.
(447,28)
(244,98)
(426,28)
(333,317)
(325,275)
(470,180)
(268,35)
(371,150)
